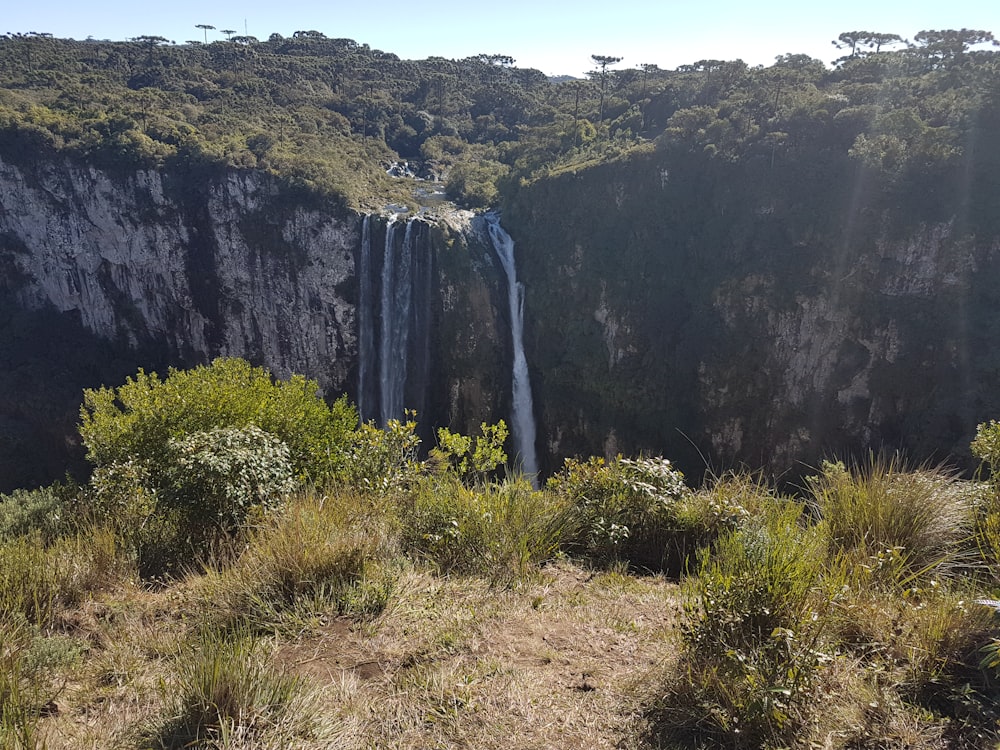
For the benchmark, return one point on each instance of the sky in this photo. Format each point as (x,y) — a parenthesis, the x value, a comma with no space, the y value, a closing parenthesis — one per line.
(555,36)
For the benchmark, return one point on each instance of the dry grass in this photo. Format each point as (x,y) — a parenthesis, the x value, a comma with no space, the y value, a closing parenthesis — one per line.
(556,656)
(555,662)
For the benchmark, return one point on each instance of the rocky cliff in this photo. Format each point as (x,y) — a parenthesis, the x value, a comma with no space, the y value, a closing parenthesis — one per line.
(167,268)
(755,314)
(760,313)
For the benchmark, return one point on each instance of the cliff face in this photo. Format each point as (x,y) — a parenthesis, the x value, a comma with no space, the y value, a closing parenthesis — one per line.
(682,307)
(224,268)
(715,314)
(163,268)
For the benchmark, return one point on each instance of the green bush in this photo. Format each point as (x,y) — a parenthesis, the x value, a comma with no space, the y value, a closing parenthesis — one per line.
(625,508)
(986,445)
(136,421)
(753,628)
(471,458)
(25,511)
(500,530)
(184,460)
(217,477)
(382,462)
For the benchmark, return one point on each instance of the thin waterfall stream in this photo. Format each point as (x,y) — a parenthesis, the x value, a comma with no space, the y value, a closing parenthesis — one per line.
(523,418)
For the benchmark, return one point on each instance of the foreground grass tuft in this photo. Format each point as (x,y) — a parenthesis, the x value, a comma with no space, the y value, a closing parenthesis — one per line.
(318,555)
(225,694)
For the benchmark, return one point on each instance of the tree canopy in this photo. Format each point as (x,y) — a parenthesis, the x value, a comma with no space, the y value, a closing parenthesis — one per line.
(332,115)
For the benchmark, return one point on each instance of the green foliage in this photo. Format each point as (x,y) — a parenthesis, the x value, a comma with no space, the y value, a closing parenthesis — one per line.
(136,421)
(185,459)
(625,508)
(501,530)
(986,445)
(217,477)
(752,635)
(329,114)
(472,459)
(382,461)
(25,511)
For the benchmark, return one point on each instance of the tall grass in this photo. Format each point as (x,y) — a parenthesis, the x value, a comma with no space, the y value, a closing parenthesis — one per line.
(36,579)
(502,530)
(848,627)
(907,522)
(18,696)
(225,694)
(752,637)
(319,553)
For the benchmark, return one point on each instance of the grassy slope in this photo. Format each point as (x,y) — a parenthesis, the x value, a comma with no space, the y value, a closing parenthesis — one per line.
(555,662)
(442,616)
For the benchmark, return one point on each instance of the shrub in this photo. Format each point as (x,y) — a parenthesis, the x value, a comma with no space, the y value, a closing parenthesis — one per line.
(25,511)
(986,445)
(382,461)
(626,508)
(183,460)
(501,530)
(754,619)
(217,477)
(136,421)
(472,459)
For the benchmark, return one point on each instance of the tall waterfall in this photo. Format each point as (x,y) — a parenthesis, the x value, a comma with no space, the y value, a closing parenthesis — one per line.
(366,322)
(393,320)
(523,419)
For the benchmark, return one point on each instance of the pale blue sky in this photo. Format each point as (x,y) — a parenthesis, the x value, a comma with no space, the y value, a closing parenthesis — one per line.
(556,36)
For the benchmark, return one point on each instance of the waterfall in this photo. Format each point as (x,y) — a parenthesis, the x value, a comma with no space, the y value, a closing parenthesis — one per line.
(366,323)
(523,419)
(392,368)
(393,354)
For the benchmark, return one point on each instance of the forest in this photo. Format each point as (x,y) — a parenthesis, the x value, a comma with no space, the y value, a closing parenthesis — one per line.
(331,115)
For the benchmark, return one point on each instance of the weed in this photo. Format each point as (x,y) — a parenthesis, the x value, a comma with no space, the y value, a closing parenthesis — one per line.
(752,636)
(35,579)
(18,696)
(315,555)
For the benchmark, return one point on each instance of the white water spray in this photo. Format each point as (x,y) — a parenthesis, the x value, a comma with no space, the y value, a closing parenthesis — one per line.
(523,419)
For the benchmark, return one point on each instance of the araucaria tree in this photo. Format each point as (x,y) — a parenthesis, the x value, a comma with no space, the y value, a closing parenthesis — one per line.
(603,61)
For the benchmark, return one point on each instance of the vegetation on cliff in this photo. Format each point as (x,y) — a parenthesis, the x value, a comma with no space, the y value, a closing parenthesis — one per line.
(332,114)
(426,604)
